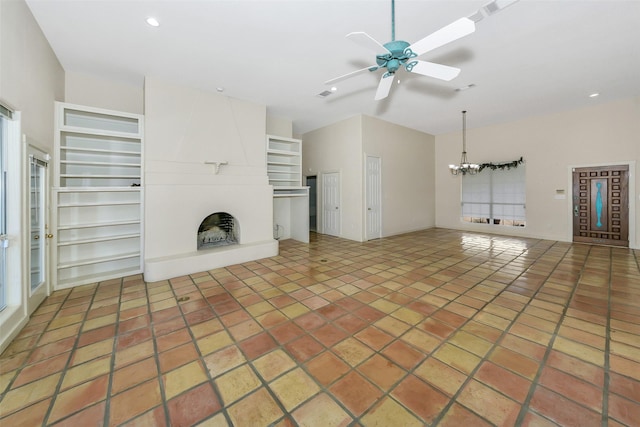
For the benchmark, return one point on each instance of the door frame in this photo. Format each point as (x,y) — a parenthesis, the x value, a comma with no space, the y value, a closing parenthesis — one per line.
(320,206)
(311,195)
(633,244)
(366,197)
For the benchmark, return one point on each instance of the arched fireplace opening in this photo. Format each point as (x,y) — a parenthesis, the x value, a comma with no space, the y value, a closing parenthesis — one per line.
(218,229)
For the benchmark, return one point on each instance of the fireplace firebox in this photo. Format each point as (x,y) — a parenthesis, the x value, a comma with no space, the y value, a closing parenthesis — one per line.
(218,229)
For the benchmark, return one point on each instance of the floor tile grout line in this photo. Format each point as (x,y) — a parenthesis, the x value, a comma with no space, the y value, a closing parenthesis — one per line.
(112,363)
(607,359)
(224,408)
(114,370)
(543,363)
(194,340)
(607,347)
(302,365)
(408,372)
(384,394)
(32,349)
(24,363)
(248,361)
(66,367)
(485,358)
(156,357)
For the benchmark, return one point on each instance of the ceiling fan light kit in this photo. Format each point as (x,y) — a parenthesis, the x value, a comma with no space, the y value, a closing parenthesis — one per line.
(464,167)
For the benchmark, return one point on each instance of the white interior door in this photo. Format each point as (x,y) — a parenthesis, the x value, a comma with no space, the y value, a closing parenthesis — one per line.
(38,229)
(373,182)
(331,203)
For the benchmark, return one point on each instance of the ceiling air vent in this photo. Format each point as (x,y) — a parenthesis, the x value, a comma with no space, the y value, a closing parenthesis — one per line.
(324,94)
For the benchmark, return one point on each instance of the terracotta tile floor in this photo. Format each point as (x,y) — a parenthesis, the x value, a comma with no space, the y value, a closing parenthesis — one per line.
(437,327)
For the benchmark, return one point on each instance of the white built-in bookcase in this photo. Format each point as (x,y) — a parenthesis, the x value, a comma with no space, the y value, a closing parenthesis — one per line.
(284,162)
(97,194)
(291,199)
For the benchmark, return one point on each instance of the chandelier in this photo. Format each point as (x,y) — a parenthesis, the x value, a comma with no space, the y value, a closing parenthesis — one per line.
(464,167)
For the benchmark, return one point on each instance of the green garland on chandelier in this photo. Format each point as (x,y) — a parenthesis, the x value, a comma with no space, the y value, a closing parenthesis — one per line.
(501,166)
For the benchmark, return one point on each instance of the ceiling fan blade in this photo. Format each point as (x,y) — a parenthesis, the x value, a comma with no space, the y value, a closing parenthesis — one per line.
(385,86)
(438,71)
(453,31)
(351,74)
(365,40)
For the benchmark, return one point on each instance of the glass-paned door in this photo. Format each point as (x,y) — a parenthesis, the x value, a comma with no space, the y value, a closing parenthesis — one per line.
(3,209)
(38,254)
(37,179)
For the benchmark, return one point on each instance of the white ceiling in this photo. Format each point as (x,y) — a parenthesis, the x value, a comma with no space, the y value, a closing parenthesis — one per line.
(531,58)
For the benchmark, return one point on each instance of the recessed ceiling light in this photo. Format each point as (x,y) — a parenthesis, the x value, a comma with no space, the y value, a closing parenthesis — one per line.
(153,21)
(220,89)
(594,95)
(333,89)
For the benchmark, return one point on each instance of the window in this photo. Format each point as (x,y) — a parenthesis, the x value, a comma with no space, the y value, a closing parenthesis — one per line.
(495,197)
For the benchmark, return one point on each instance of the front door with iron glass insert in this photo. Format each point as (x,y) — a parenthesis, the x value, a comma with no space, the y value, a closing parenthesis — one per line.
(601,205)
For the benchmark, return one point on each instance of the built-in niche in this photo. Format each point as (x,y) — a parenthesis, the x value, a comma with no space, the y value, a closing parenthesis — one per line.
(218,229)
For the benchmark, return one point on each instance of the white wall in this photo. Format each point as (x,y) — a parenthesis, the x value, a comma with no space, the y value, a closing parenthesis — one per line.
(601,134)
(94,91)
(31,79)
(338,148)
(408,180)
(279,126)
(408,176)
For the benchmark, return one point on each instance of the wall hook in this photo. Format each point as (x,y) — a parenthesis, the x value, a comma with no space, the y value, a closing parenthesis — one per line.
(216,165)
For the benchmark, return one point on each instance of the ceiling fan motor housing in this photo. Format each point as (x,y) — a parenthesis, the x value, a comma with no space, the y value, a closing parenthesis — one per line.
(398,55)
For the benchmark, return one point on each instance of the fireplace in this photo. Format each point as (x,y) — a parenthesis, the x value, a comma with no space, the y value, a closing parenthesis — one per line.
(181,249)
(186,131)
(218,229)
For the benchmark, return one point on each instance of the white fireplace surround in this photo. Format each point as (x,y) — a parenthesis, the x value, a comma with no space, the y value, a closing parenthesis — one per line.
(171,245)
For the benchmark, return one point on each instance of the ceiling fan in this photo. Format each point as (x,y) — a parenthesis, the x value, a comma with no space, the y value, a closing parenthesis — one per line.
(398,53)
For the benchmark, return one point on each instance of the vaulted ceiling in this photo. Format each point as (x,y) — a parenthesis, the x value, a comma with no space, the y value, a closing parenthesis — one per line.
(531,58)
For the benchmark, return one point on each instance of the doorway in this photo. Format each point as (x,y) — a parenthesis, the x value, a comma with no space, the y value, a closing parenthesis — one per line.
(601,205)
(312,183)
(331,203)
